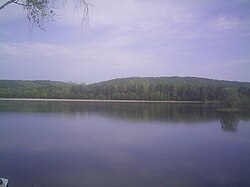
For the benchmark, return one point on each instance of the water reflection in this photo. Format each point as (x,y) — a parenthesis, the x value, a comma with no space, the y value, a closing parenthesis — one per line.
(121,144)
(229,122)
(161,112)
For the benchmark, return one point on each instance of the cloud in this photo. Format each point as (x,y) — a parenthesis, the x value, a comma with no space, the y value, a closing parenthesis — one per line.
(148,20)
(17,50)
(226,23)
(70,62)
(226,65)
(132,15)
(132,37)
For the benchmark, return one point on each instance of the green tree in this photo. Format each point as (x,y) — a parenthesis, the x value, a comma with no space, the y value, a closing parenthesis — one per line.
(230,96)
(202,94)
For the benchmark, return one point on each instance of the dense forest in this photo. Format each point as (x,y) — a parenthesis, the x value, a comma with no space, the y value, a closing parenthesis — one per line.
(231,93)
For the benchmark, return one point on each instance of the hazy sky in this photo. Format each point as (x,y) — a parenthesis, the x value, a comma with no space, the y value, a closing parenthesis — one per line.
(204,38)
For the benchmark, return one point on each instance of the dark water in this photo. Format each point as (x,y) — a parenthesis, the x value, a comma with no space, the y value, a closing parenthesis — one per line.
(48,144)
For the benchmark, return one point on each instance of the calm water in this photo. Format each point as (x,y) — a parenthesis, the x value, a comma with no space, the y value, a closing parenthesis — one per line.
(48,144)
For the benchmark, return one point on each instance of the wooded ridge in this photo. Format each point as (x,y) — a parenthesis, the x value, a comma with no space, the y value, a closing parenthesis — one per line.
(232,93)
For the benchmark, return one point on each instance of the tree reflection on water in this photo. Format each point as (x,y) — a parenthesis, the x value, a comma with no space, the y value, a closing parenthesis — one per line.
(229,122)
(165,113)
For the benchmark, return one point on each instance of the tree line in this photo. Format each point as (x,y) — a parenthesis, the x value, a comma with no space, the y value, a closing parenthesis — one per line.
(155,88)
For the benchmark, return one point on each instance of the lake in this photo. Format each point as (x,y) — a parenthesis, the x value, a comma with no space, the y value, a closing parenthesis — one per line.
(48,144)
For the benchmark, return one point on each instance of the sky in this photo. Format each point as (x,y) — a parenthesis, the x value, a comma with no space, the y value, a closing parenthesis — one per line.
(146,38)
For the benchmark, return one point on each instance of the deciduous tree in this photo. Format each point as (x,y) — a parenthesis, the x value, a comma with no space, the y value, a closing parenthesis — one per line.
(39,10)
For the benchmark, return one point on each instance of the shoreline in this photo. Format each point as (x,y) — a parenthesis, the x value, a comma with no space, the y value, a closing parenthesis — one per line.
(107,101)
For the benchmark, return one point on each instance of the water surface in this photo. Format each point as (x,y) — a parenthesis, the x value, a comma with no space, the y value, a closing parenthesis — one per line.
(123,144)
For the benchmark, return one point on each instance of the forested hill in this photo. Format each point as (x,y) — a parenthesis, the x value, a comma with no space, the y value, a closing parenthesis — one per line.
(148,88)
(178,81)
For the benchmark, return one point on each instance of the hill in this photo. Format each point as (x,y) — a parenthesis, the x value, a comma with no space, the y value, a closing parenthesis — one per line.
(134,88)
(176,80)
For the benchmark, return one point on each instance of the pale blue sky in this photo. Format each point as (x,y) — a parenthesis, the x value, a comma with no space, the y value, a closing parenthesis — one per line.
(204,38)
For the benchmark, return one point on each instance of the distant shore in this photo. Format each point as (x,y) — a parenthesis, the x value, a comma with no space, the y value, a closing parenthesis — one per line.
(106,101)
